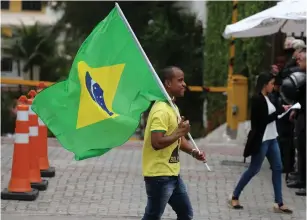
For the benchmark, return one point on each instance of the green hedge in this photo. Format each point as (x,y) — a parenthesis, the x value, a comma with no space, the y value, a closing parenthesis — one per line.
(249,54)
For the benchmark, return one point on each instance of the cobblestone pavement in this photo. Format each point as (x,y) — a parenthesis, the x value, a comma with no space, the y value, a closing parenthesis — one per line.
(111,187)
(45,217)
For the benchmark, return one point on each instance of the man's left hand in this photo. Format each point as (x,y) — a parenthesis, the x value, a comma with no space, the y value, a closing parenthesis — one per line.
(199,155)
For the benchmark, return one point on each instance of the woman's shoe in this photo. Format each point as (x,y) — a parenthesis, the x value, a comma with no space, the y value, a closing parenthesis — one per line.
(281,209)
(234,204)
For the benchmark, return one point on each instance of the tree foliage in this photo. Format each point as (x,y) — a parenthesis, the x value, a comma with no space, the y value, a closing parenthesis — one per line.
(173,38)
(33,44)
(167,36)
(249,54)
(80,17)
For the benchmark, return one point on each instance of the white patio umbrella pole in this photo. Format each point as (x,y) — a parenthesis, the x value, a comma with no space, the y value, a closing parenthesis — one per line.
(155,74)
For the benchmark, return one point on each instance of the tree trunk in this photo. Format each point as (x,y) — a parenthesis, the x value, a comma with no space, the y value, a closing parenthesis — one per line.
(18,67)
(31,72)
(19,74)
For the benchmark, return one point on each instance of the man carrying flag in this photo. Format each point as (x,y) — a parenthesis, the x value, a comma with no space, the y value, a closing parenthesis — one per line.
(162,141)
(111,83)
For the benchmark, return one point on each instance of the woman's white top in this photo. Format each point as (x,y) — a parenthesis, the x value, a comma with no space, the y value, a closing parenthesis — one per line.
(270,130)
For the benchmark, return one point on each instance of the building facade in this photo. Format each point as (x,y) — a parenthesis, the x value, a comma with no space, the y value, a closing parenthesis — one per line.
(15,13)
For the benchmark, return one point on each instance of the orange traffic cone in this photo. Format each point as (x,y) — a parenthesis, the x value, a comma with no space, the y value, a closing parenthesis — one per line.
(35,177)
(45,169)
(19,186)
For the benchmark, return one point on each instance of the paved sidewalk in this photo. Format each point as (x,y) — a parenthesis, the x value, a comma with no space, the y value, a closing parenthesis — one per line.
(56,217)
(111,187)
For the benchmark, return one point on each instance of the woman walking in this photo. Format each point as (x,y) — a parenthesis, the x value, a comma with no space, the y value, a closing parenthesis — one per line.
(262,142)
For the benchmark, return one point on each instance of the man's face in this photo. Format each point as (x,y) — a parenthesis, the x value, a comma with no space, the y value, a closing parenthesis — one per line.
(176,86)
(301,61)
(280,62)
(295,54)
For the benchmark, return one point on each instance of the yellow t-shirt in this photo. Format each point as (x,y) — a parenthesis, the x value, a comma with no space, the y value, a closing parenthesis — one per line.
(164,162)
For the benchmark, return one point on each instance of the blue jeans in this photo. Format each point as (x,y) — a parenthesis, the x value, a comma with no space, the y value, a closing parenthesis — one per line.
(270,149)
(167,189)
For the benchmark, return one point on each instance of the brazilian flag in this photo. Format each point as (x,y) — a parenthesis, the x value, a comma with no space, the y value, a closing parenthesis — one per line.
(109,86)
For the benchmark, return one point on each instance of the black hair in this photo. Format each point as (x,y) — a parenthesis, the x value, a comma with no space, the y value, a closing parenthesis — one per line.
(263,79)
(167,73)
(278,80)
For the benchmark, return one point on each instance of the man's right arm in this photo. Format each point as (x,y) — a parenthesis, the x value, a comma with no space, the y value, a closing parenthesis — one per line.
(159,140)
(159,126)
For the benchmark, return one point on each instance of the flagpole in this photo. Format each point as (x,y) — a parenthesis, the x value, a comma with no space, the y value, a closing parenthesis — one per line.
(154,73)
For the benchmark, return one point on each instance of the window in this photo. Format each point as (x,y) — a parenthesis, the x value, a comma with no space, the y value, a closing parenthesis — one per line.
(5,5)
(31,5)
(6,64)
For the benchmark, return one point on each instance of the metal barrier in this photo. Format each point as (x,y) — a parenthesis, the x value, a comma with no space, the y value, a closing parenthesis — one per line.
(36,83)
(23,82)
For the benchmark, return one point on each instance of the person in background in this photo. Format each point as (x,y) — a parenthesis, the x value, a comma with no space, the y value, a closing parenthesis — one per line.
(285,131)
(288,50)
(300,132)
(262,143)
(291,66)
(279,65)
(292,49)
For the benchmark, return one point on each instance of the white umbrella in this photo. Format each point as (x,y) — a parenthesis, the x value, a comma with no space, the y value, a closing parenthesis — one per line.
(288,16)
